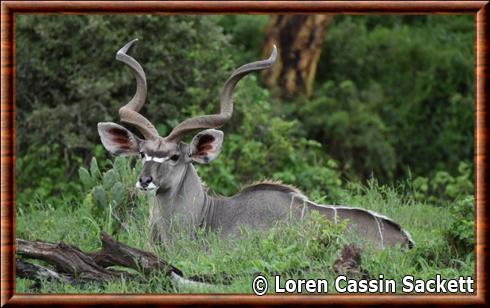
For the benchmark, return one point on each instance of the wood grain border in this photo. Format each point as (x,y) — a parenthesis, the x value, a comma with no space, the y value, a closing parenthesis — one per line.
(10,8)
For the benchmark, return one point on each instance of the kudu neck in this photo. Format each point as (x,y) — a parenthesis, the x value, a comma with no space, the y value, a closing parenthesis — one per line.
(187,201)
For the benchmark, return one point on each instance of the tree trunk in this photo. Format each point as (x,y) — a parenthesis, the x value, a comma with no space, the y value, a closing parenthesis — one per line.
(299,39)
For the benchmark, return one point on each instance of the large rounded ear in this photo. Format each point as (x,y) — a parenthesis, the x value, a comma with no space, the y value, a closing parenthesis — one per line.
(206,145)
(117,139)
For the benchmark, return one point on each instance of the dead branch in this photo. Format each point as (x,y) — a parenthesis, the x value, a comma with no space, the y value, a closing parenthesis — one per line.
(34,271)
(71,265)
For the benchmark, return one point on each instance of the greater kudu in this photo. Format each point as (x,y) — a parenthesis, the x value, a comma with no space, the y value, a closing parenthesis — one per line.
(180,197)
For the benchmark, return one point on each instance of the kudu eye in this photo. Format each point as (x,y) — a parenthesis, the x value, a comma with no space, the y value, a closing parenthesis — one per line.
(142,155)
(174,157)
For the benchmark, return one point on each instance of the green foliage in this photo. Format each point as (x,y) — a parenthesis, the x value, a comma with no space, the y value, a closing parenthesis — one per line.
(392,94)
(443,241)
(355,132)
(323,235)
(455,194)
(376,120)
(246,33)
(289,249)
(395,93)
(41,174)
(461,233)
(443,188)
(258,144)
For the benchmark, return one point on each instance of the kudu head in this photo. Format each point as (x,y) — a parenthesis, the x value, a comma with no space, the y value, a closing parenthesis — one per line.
(167,158)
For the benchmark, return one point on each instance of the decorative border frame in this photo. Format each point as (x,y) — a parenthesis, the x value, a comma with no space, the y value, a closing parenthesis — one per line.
(9,9)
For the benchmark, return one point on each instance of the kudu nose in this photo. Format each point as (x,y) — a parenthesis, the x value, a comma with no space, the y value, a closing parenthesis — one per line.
(145,181)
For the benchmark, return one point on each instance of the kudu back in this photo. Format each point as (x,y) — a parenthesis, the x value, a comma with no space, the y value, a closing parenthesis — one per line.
(181,199)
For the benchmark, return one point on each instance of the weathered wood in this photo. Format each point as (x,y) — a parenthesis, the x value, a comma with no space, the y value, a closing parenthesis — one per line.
(75,266)
(37,272)
(67,260)
(117,253)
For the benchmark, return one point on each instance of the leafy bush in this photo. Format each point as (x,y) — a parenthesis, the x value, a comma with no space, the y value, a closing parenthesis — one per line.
(41,175)
(461,233)
(258,144)
(351,130)
(443,188)
(246,34)
(395,93)
(455,194)
(372,120)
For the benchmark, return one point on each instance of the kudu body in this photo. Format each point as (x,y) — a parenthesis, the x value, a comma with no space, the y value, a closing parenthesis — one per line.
(181,201)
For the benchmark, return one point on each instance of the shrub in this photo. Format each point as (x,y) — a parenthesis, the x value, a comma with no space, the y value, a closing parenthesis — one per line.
(455,193)
(352,130)
(246,34)
(398,87)
(443,188)
(41,175)
(461,233)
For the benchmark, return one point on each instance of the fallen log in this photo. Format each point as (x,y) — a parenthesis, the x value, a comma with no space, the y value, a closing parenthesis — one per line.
(71,265)
(37,272)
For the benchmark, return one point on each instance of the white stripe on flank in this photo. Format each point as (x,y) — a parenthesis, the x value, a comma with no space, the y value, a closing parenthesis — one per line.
(303,198)
(291,204)
(380,232)
(303,210)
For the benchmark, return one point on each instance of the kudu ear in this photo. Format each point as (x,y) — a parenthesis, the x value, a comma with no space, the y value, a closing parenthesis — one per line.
(117,139)
(206,145)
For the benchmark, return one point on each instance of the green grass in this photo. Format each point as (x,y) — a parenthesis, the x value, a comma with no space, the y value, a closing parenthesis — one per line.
(296,250)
